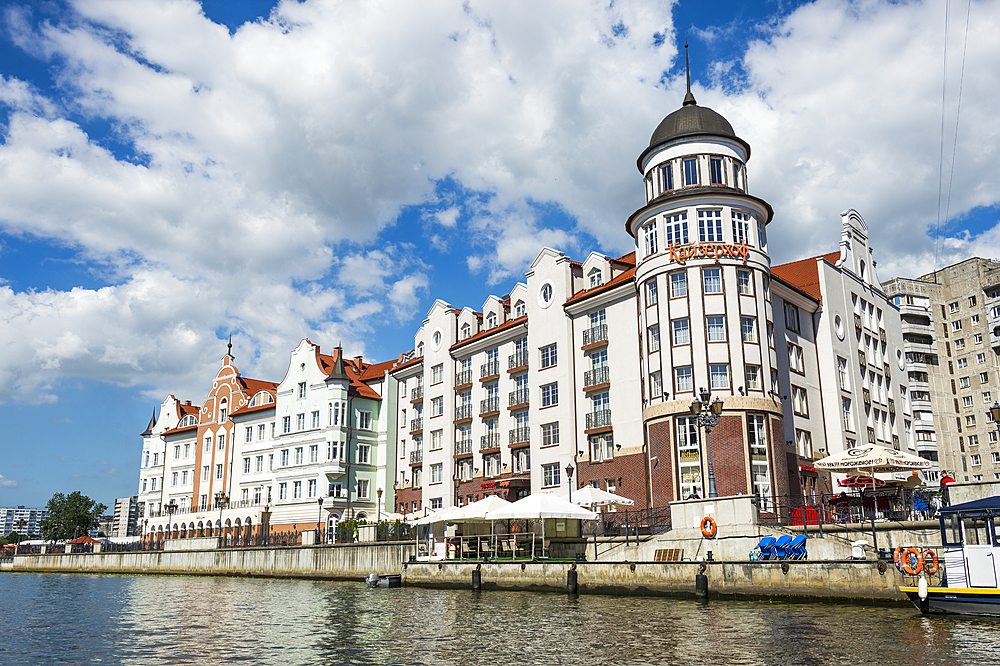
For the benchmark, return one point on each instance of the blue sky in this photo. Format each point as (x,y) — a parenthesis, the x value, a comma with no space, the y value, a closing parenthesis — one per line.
(171,172)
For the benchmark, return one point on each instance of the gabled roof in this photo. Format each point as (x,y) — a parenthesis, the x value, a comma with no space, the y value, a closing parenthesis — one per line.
(584,294)
(803,275)
(354,371)
(493,331)
(402,365)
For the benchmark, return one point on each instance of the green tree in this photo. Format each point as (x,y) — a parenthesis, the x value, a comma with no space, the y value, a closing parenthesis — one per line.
(70,516)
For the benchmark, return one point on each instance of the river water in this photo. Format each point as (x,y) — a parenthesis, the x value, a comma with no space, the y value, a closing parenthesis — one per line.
(86,619)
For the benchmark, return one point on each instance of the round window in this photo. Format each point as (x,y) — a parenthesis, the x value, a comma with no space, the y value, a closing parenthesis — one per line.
(900,361)
(545,295)
(436,340)
(838,325)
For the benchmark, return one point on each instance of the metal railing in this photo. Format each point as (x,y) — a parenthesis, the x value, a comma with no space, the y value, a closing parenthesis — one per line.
(596,334)
(600,419)
(463,412)
(463,377)
(889,504)
(518,359)
(463,447)
(630,522)
(490,441)
(417,393)
(489,405)
(518,435)
(416,456)
(416,424)
(146,544)
(519,397)
(489,369)
(596,377)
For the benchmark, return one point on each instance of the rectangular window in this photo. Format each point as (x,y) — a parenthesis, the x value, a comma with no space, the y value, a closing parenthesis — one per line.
(741,228)
(297,490)
(300,421)
(312,487)
(259,464)
(683,381)
(795,359)
(842,374)
(719,375)
(298,455)
(791,317)
(653,337)
(757,441)
(221,441)
(963,363)
(286,424)
(689,457)
(963,382)
(970,421)
(712,280)
(284,457)
(678,284)
(980,358)
(978,337)
(550,395)
(315,419)
(218,471)
(748,326)
(650,292)
(246,465)
(953,307)
(710,226)
(682,331)
(956,325)
(967,401)
(302,390)
(206,472)
(549,357)
(761,235)
(437,373)
(364,419)
(743,282)
(314,453)
(655,385)
(984,378)
(753,377)
(716,327)
(677,229)
(437,406)
(260,432)
(551,475)
(184,478)
(715,170)
(173,479)
(848,415)
(691,171)
(177,452)
(248,434)
(550,434)
(649,233)
(282,491)
(800,402)
(666,177)
(364,454)
(436,472)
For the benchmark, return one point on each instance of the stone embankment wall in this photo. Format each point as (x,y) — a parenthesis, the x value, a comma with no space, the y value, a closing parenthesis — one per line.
(820,581)
(344,562)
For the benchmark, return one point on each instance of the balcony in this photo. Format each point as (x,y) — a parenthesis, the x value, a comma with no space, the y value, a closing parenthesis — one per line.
(595,335)
(489,405)
(601,419)
(881,335)
(887,370)
(518,359)
(463,447)
(892,406)
(995,337)
(866,395)
(463,378)
(519,435)
(596,377)
(416,457)
(491,369)
(857,322)
(862,359)
(463,412)
(490,441)
(519,398)
(416,425)
(417,393)
(871,435)
(895,442)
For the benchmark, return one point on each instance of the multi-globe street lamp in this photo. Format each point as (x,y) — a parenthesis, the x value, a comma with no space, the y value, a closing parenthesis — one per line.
(707,419)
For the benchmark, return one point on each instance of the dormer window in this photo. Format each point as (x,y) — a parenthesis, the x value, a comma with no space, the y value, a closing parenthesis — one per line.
(666,177)
(519,309)
(596,279)
(302,390)
(491,320)
(223,410)
(420,349)
(187,421)
(466,331)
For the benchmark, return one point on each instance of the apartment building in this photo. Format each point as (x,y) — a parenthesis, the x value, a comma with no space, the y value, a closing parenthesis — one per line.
(23,520)
(952,320)
(125,519)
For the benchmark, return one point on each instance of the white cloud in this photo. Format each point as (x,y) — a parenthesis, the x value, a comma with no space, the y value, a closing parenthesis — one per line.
(7,483)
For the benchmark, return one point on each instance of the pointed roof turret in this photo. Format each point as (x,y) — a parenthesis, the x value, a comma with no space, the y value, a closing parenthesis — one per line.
(152,423)
(339,372)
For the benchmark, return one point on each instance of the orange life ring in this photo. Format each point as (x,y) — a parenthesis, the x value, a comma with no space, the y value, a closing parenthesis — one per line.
(897,557)
(912,564)
(708,527)
(930,561)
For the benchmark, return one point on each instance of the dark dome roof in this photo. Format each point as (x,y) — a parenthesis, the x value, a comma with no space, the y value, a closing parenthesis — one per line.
(691,120)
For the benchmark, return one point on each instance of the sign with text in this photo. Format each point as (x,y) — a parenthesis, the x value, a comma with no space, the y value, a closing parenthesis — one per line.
(716,251)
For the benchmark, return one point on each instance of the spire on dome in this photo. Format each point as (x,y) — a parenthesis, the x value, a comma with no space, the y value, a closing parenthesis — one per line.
(229,347)
(688,98)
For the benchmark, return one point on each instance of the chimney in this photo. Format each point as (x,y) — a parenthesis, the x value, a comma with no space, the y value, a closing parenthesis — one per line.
(357,361)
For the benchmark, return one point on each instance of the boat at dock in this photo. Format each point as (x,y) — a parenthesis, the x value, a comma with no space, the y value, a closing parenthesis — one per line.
(970,560)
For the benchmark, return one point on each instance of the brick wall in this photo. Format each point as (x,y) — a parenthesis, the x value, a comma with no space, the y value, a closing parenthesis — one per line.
(729,456)
(629,472)
(785,466)
(405,497)
(663,482)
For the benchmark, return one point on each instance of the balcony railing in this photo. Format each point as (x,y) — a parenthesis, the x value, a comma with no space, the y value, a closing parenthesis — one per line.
(519,397)
(463,447)
(866,396)
(600,419)
(463,412)
(518,359)
(416,424)
(892,405)
(489,405)
(596,334)
(489,369)
(417,393)
(895,442)
(416,456)
(596,377)
(519,435)
(871,435)
(490,441)
(881,335)
(862,359)
(857,322)
(463,377)
(887,370)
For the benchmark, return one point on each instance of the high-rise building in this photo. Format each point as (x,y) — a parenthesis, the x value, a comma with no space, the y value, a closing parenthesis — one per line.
(23,520)
(124,522)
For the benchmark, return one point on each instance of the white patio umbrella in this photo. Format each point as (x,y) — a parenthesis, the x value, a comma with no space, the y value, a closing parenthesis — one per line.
(476,512)
(590,496)
(439,516)
(540,506)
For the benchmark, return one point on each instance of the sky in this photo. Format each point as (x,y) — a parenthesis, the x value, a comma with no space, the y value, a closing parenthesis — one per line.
(173,172)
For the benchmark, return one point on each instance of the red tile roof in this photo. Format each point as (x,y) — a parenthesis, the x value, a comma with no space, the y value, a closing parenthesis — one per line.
(406,364)
(803,274)
(355,372)
(482,334)
(587,293)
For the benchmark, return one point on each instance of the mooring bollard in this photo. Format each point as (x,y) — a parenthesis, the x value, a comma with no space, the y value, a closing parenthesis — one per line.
(571,586)
(701,583)
(477,578)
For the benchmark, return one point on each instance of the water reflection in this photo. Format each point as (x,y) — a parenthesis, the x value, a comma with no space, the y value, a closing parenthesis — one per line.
(179,620)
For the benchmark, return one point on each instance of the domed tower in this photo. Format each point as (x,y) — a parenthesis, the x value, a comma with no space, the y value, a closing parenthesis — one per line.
(703,277)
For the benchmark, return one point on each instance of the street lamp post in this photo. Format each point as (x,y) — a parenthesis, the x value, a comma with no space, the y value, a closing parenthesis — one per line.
(319,519)
(221,500)
(708,419)
(171,507)
(569,480)
(458,482)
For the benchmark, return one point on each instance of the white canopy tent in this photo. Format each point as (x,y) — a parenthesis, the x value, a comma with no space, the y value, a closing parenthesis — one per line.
(476,512)
(439,516)
(589,496)
(540,506)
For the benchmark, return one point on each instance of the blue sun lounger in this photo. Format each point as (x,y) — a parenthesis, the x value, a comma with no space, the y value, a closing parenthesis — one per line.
(797,548)
(763,549)
(780,549)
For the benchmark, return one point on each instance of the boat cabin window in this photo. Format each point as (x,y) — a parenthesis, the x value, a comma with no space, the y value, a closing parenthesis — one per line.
(951,534)
(978,531)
